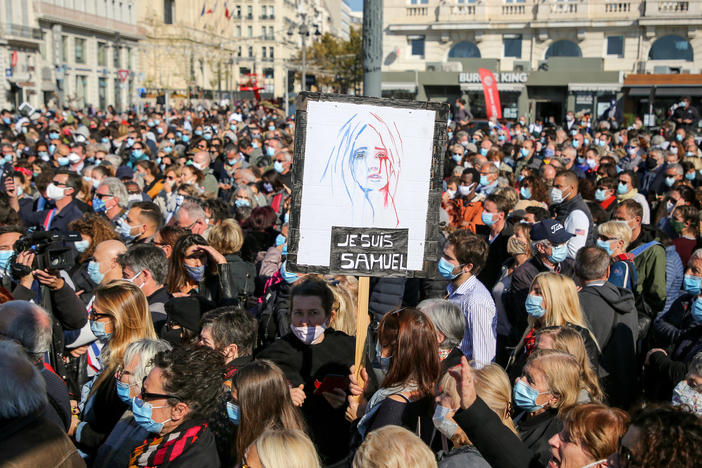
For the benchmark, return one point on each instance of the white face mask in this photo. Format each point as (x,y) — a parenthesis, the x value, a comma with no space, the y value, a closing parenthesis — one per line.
(309,334)
(55,192)
(594,464)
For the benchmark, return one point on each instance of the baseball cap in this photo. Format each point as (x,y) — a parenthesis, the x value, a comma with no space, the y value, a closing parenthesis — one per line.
(551,230)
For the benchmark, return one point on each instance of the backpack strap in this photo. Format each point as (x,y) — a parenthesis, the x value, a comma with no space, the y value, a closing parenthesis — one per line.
(643,247)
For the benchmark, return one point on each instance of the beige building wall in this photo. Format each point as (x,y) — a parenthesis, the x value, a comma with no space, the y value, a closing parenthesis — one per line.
(444,23)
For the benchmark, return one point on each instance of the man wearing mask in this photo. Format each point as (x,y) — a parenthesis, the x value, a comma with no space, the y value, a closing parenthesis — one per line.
(202,161)
(549,244)
(112,199)
(465,208)
(488,178)
(568,158)
(494,216)
(653,181)
(569,208)
(62,191)
(570,123)
(192,217)
(140,224)
(686,115)
(146,266)
(282,163)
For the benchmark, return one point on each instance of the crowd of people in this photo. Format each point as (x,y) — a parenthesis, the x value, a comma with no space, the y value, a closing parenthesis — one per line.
(148,317)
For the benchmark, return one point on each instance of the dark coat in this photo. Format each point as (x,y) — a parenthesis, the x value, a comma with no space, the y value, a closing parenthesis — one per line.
(611,314)
(497,254)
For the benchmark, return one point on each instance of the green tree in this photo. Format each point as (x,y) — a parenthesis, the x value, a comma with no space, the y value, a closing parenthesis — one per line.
(336,62)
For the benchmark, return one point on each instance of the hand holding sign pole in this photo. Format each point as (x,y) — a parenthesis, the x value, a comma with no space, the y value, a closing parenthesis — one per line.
(366,191)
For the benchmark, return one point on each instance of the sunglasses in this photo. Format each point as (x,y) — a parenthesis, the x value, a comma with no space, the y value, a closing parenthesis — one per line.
(144,395)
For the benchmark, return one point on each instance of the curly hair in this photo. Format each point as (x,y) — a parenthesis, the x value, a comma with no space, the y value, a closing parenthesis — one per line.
(670,436)
(195,375)
(95,226)
(177,278)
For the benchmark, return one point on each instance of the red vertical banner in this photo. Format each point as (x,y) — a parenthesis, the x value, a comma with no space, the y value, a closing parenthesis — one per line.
(492,96)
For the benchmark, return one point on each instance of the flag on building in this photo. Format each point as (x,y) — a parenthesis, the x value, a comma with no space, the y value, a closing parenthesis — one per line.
(226,10)
(203,8)
(212,10)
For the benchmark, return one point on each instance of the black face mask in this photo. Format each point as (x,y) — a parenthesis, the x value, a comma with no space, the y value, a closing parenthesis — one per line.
(651,163)
(173,336)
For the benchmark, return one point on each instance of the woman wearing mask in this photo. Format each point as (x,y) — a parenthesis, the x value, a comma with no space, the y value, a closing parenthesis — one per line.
(614,237)
(93,229)
(261,401)
(568,340)
(688,391)
(191,175)
(552,301)
(450,324)
(166,198)
(627,188)
(310,353)
(127,434)
(178,397)
(119,316)
(151,175)
(407,349)
(196,268)
(532,192)
(493,388)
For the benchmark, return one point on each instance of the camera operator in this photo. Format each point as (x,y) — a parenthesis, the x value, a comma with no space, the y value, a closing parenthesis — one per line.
(63,188)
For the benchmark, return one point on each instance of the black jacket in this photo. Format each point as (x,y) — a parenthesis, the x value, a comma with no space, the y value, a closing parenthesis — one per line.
(386,294)
(202,453)
(497,254)
(611,314)
(669,326)
(496,443)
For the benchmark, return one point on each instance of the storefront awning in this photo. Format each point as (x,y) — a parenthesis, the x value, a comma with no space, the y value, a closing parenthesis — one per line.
(666,91)
(594,87)
(411,87)
(507,87)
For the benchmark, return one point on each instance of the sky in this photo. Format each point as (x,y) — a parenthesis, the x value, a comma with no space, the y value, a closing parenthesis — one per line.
(356,5)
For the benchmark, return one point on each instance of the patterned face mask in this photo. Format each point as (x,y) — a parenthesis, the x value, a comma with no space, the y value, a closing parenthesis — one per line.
(685,395)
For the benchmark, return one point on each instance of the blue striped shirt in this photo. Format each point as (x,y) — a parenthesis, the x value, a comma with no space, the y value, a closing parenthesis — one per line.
(480,338)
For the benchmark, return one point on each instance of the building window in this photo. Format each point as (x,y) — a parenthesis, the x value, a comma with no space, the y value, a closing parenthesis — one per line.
(168,10)
(417,46)
(263,32)
(615,46)
(238,51)
(270,12)
(264,10)
(268,73)
(563,49)
(270,32)
(102,54)
(513,45)
(251,51)
(244,71)
(64,49)
(81,88)
(263,53)
(102,93)
(250,31)
(238,31)
(464,49)
(116,59)
(249,12)
(79,49)
(671,48)
(270,52)
(130,65)
(419,2)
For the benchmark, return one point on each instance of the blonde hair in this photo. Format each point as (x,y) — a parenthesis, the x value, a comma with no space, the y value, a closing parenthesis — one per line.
(227,237)
(569,340)
(287,448)
(619,230)
(126,304)
(561,373)
(393,447)
(345,304)
(493,387)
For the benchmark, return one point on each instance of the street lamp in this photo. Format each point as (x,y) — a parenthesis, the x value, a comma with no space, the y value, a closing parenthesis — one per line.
(303,29)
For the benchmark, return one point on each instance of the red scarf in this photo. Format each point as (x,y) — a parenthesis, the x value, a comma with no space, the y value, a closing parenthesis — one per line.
(165,449)
(530,341)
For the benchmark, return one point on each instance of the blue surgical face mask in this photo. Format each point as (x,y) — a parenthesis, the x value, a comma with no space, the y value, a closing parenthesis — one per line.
(198,132)
(143,412)
(185,138)
(697,310)
(232,128)
(63,161)
(622,188)
(483,151)
(159,130)
(7,120)
(137,153)
(286,217)
(195,273)
(270,151)
(558,253)
(669,181)
(279,240)
(94,272)
(441,422)
(446,269)
(123,392)
(679,137)
(5,256)
(44,155)
(484,180)
(488,218)
(692,285)
(130,142)
(124,229)
(54,136)
(457,157)
(82,245)
(526,192)
(234,412)
(525,396)
(207,136)
(289,277)
(603,244)
(691,175)
(524,152)
(171,141)
(242,202)
(548,153)
(534,306)
(383,361)
(278,166)
(105,141)
(98,329)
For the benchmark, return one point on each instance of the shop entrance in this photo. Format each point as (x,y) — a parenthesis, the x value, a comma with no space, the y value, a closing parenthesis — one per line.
(546,109)
(547,101)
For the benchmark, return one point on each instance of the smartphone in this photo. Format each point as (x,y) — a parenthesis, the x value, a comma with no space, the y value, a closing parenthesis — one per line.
(331,382)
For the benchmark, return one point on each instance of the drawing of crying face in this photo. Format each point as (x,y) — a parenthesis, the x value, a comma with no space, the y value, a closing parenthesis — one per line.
(369,161)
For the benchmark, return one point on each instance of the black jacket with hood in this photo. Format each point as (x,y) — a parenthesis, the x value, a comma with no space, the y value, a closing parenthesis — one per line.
(611,313)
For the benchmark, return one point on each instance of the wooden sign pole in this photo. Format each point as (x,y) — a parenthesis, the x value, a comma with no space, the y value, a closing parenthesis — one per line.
(362,321)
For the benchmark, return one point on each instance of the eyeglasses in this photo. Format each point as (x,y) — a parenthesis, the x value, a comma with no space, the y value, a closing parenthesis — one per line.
(121,372)
(97,316)
(144,395)
(60,184)
(103,195)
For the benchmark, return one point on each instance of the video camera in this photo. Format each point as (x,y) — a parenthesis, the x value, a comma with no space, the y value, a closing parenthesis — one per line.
(50,250)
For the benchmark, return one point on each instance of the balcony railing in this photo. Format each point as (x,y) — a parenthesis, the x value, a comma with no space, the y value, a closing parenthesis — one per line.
(513,10)
(417,11)
(673,7)
(17,30)
(617,7)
